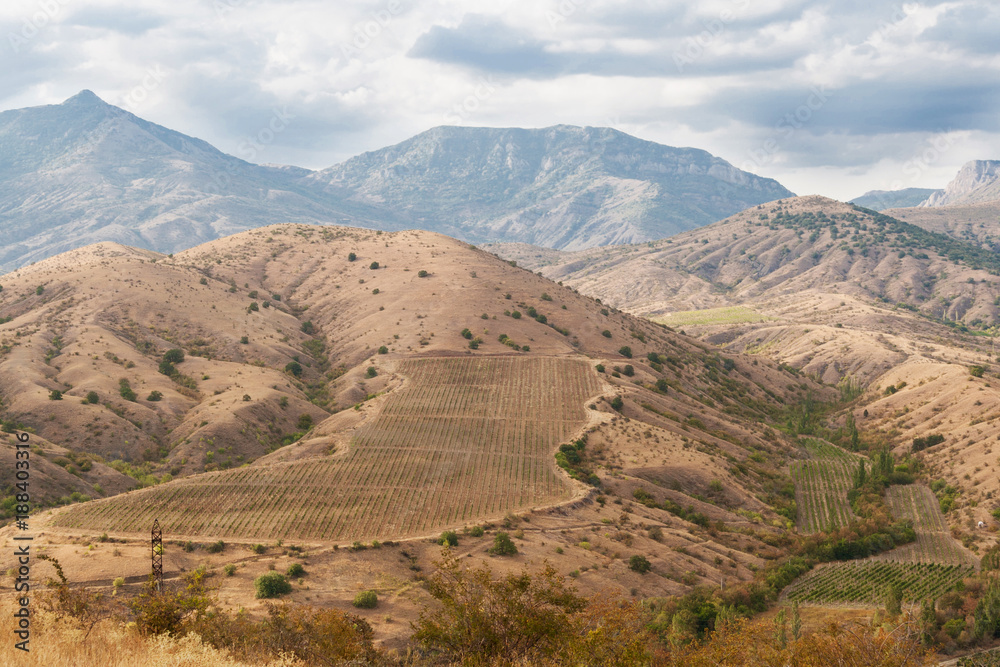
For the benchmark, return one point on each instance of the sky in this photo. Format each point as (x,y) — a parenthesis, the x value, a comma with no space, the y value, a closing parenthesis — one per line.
(833,97)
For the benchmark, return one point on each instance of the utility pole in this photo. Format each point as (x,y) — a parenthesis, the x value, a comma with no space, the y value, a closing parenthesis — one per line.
(157,555)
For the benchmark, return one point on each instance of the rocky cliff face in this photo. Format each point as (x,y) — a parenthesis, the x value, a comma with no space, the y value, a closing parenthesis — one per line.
(977,181)
(559,187)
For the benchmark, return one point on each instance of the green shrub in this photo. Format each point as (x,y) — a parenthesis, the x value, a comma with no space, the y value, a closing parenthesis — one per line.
(503,545)
(383,350)
(154,396)
(617,403)
(639,564)
(216,547)
(351,257)
(167,369)
(422,274)
(258,549)
(625,351)
(628,371)
(125,389)
(55,395)
(229,570)
(371,372)
(516,314)
(203,281)
(245,340)
(606,333)
(174,356)
(308,327)
(373,266)
(599,368)
(294,367)
(253,307)
(449,538)
(477,531)
(296,570)
(977,371)
(366,600)
(466,334)
(271,585)
(92,397)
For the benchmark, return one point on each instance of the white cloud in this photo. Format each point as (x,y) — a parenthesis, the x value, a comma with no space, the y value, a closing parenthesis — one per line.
(360,74)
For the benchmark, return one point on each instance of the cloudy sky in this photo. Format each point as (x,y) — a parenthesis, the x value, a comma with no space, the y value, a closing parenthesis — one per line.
(834,97)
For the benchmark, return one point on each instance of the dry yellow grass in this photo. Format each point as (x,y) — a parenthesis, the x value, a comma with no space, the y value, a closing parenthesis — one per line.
(57,642)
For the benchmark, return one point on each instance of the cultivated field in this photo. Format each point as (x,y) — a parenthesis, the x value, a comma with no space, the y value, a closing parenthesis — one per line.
(934,542)
(711,316)
(462,440)
(821,486)
(868,581)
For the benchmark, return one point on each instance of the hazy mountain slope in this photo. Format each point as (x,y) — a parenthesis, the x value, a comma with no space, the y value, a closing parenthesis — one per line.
(880,200)
(786,248)
(85,171)
(974,223)
(977,181)
(559,187)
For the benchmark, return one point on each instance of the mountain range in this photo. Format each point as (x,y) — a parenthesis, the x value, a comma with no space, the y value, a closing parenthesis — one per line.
(85,171)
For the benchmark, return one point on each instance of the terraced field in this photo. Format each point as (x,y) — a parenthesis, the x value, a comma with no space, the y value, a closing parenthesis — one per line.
(934,542)
(821,486)
(463,439)
(868,581)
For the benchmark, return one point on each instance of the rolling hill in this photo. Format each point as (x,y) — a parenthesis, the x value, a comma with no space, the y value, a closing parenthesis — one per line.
(880,200)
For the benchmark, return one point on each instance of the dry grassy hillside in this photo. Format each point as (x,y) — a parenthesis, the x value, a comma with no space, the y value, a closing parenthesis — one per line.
(325,372)
(975,223)
(840,294)
(784,248)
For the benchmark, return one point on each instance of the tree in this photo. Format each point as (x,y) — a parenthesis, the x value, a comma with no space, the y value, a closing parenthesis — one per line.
(796,621)
(639,564)
(522,618)
(351,257)
(271,585)
(308,327)
(92,397)
(449,538)
(422,274)
(55,395)
(154,396)
(294,367)
(174,356)
(373,266)
(861,476)
(894,601)
(503,545)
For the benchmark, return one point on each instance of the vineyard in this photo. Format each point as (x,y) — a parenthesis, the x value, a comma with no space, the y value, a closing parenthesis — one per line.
(868,581)
(462,440)
(934,543)
(821,486)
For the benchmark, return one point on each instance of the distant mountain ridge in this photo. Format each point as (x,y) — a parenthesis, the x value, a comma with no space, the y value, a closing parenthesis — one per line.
(881,200)
(85,171)
(560,187)
(976,182)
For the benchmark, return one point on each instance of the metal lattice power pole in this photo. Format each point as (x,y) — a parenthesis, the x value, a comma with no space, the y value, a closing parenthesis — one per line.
(157,543)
